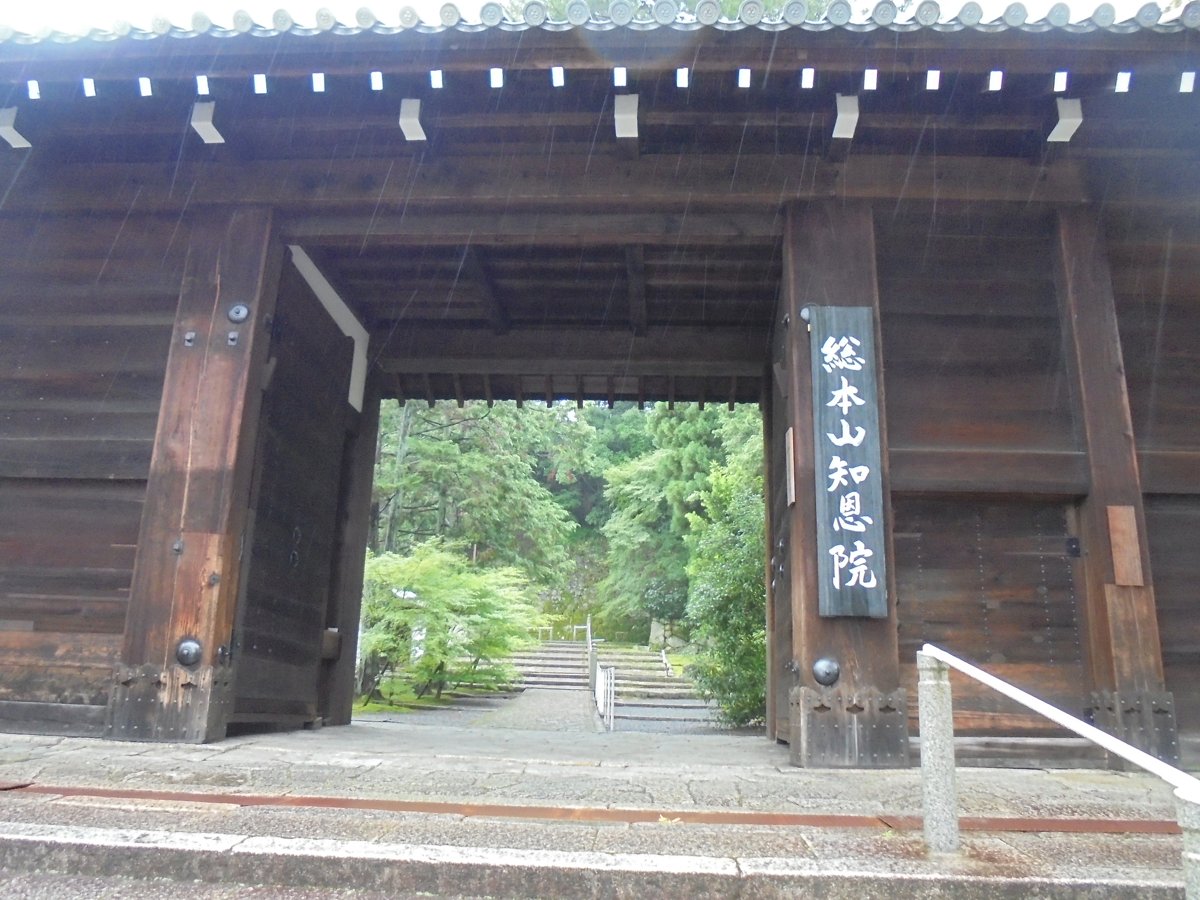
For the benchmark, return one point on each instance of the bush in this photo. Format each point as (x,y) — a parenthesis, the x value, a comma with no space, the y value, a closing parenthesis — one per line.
(434,619)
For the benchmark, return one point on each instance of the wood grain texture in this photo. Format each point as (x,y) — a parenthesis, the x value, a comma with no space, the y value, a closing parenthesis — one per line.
(187,571)
(294,538)
(829,260)
(1124,651)
(1126,546)
(336,686)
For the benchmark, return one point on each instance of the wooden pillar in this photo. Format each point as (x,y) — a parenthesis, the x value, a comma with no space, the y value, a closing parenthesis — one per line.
(860,720)
(1124,655)
(187,570)
(354,525)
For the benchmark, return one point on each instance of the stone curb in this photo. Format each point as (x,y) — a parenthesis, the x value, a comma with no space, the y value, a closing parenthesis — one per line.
(473,871)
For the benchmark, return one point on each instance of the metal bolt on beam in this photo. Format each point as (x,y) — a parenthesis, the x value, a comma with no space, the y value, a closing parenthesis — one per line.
(938,790)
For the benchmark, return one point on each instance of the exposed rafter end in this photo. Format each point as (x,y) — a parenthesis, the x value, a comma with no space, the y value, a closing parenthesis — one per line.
(429,398)
(1070,117)
(410,119)
(625,116)
(202,122)
(8,130)
(844,127)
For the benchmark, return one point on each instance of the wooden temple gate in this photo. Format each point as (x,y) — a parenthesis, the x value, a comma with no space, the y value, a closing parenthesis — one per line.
(196,336)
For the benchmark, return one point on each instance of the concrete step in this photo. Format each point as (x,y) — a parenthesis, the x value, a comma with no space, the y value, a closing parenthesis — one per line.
(142,863)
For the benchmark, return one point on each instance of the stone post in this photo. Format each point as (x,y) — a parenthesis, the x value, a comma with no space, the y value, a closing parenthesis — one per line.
(936,716)
(1187,809)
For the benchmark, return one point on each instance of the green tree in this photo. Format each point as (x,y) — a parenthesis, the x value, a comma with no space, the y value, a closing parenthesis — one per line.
(480,477)
(651,497)
(726,594)
(433,618)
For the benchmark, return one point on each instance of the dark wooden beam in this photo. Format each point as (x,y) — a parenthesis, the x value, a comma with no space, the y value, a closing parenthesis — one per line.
(1169,471)
(458,392)
(187,571)
(587,184)
(934,469)
(487,390)
(475,270)
(635,269)
(681,350)
(1124,653)
(517,229)
(829,260)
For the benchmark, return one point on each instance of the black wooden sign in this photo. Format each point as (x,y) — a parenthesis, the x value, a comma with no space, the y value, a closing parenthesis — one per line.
(851,549)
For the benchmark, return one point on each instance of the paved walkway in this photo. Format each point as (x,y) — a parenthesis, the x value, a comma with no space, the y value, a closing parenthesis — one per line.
(405,809)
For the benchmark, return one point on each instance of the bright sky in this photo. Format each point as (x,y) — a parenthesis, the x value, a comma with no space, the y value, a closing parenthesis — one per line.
(80,16)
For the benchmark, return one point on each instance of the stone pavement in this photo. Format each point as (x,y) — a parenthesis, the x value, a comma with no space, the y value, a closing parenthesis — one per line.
(405,809)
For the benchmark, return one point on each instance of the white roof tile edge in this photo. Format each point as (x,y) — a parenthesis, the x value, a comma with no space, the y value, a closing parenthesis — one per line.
(884,14)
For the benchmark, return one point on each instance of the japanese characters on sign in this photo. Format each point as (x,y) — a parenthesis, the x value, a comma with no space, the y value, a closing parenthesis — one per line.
(851,557)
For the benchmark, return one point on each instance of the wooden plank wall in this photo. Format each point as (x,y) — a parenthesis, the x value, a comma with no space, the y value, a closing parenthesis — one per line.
(86,309)
(974,365)
(1156,282)
(278,652)
(988,579)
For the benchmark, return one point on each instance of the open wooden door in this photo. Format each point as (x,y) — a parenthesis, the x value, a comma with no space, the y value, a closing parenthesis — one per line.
(281,642)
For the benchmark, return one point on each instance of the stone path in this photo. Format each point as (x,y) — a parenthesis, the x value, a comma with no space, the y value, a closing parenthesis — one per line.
(544,709)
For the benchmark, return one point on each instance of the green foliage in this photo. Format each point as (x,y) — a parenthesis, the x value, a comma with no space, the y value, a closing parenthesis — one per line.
(626,515)
(726,596)
(483,478)
(433,618)
(651,497)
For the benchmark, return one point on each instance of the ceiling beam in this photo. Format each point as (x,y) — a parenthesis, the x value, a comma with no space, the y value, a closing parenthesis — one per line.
(635,267)
(678,350)
(708,181)
(367,230)
(475,270)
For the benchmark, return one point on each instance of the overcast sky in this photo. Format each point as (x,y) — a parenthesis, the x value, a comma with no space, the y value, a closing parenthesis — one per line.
(80,16)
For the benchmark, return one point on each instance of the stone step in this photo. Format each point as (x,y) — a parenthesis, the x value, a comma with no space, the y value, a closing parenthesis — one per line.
(680,694)
(59,861)
(541,678)
(684,703)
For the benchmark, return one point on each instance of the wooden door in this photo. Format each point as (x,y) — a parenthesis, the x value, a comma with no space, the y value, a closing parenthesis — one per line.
(281,639)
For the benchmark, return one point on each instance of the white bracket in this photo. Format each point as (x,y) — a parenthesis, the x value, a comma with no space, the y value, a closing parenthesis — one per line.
(410,120)
(342,316)
(1070,117)
(8,131)
(625,112)
(202,123)
(847,117)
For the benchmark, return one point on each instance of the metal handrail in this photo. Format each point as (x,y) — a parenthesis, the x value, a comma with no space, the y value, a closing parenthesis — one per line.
(939,795)
(606,689)
(1113,745)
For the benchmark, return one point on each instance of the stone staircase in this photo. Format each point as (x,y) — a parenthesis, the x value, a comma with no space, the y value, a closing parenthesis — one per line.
(559,665)
(648,698)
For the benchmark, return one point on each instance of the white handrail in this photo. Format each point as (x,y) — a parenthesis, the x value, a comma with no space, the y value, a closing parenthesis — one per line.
(1116,746)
